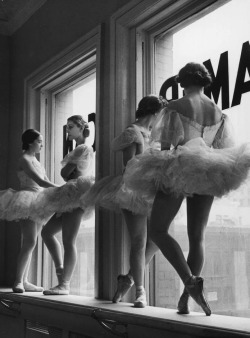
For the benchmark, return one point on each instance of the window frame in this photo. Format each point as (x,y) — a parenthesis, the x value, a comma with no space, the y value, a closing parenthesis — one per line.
(132,68)
(40,89)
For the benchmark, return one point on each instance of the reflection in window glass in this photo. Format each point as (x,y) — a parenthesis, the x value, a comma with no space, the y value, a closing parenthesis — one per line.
(77,100)
(217,39)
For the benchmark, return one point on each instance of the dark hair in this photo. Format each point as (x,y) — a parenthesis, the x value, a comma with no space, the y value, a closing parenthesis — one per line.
(80,122)
(194,74)
(149,105)
(28,137)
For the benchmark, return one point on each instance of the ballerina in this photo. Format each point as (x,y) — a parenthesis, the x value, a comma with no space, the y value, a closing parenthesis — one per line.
(77,172)
(111,194)
(20,205)
(198,161)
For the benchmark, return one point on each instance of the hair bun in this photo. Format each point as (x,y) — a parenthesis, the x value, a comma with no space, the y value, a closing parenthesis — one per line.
(86,131)
(194,74)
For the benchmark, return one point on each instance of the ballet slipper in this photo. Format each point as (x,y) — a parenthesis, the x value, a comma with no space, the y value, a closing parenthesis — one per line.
(29,287)
(18,287)
(140,299)
(57,290)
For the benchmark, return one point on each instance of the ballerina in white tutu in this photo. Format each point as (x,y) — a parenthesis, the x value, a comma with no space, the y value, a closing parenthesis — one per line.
(19,205)
(110,194)
(77,172)
(202,163)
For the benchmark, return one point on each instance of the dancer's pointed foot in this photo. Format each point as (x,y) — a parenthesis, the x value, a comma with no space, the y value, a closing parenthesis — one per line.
(124,283)
(182,307)
(60,289)
(29,287)
(194,287)
(141,300)
(18,287)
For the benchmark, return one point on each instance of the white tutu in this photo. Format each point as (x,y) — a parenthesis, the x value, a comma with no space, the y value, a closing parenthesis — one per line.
(193,168)
(17,205)
(40,205)
(63,199)
(110,193)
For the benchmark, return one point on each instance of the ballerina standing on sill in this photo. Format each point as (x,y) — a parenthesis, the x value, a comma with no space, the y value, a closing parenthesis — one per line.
(76,170)
(109,194)
(202,163)
(19,206)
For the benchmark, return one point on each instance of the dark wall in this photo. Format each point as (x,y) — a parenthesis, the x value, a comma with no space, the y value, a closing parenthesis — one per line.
(4,128)
(4,105)
(55,26)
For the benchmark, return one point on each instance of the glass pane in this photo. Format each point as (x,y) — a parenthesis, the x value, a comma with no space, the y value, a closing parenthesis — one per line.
(77,100)
(220,40)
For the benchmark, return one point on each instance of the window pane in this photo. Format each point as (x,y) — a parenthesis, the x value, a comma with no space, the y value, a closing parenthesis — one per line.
(220,40)
(79,99)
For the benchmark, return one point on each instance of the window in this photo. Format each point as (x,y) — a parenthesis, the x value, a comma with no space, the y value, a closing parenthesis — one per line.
(79,99)
(66,85)
(221,40)
(64,99)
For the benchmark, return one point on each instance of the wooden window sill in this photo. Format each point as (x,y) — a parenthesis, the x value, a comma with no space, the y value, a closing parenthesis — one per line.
(60,311)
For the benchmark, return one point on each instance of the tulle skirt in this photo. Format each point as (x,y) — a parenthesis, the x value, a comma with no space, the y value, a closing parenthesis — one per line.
(40,205)
(110,193)
(193,168)
(17,205)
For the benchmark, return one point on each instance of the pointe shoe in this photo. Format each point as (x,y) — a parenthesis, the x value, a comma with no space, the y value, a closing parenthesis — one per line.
(194,287)
(141,300)
(18,288)
(29,287)
(124,283)
(57,290)
(182,307)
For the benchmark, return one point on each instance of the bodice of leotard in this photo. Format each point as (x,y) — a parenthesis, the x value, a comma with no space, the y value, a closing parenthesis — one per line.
(132,134)
(27,183)
(82,157)
(172,128)
(192,129)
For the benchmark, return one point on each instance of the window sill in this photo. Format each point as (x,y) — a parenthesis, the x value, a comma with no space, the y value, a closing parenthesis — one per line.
(57,311)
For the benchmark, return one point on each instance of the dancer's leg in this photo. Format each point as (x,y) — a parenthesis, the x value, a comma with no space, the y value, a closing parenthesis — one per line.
(137,228)
(151,249)
(70,224)
(29,239)
(29,287)
(70,227)
(164,210)
(198,209)
(49,232)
